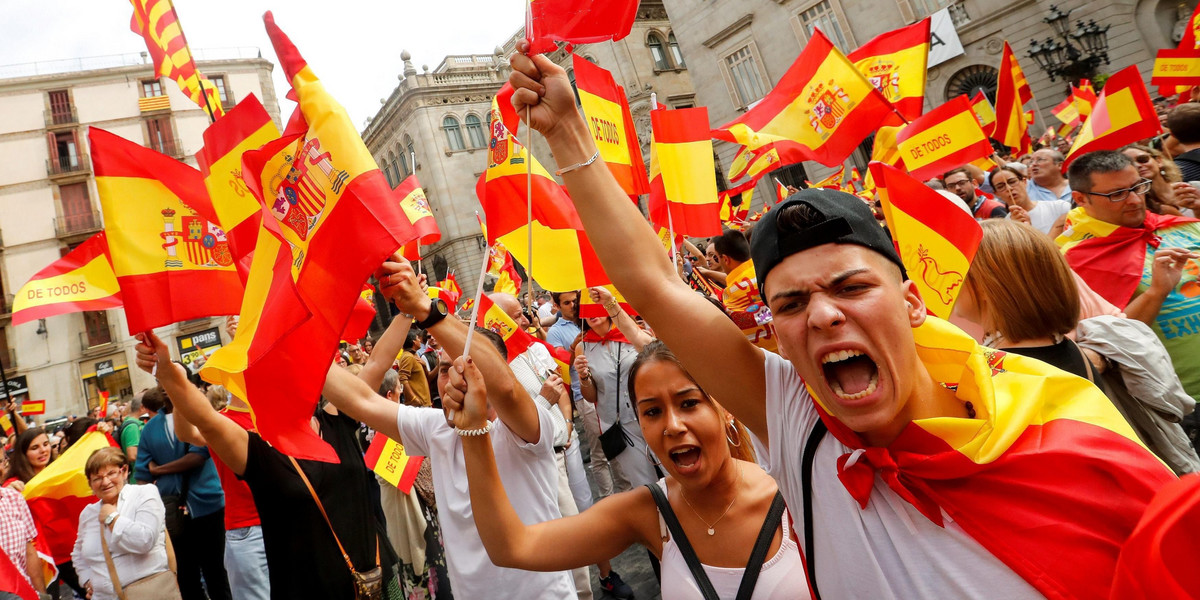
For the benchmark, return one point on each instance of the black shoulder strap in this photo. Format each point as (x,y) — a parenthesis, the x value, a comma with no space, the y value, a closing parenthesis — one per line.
(761,546)
(681,541)
(810,451)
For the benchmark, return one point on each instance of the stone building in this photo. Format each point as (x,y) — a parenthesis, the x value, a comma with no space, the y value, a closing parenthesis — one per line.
(49,205)
(440,118)
(738,50)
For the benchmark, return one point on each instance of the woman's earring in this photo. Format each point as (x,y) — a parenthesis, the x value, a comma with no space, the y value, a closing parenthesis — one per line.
(729,438)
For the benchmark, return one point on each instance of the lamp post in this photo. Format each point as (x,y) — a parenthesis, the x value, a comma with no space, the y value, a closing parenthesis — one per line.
(1060,58)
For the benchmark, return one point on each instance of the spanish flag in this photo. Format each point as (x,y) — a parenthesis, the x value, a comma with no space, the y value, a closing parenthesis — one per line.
(1189,41)
(417,211)
(172,262)
(984,113)
(1085,98)
(608,119)
(59,493)
(946,137)
(577,22)
(1123,115)
(361,316)
(244,128)
(1179,68)
(493,319)
(894,62)
(447,296)
(157,23)
(781,192)
(450,284)
(1155,562)
(1012,93)
(756,163)
(31,408)
(886,149)
(683,189)
(329,220)
(81,280)
(386,457)
(834,181)
(735,204)
(823,105)
(935,239)
(746,306)
(589,309)
(1066,111)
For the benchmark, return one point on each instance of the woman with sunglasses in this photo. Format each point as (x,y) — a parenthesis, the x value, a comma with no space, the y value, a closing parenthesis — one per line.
(1169,194)
(1010,186)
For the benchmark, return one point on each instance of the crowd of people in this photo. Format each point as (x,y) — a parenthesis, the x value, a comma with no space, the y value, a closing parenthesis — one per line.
(782,418)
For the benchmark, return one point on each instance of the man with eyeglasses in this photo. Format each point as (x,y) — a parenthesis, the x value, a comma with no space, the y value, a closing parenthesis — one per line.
(1046,181)
(959,182)
(1140,261)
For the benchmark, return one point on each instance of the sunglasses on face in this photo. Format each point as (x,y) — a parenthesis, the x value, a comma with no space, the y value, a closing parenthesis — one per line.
(1143,159)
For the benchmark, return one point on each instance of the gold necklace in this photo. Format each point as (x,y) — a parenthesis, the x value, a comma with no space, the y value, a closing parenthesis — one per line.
(712,526)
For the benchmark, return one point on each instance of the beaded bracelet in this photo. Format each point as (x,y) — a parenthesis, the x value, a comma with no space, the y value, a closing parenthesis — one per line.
(475,432)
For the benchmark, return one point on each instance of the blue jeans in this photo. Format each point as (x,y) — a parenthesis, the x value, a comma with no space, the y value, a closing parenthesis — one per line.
(246,564)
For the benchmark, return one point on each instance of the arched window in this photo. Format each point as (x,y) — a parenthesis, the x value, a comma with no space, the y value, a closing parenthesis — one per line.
(389,170)
(571,78)
(453,133)
(972,80)
(657,52)
(475,131)
(676,55)
(404,172)
(412,152)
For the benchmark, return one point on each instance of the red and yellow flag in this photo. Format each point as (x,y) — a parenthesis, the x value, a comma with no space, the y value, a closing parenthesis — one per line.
(81,280)
(361,316)
(1178,67)
(1012,93)
(781,192)
(683,190)
(493,319)
(946,137)
(450,298)
(245,127)
(608,119)
(936,240)
(823,107)
(58,494)
(172,262)
(157,23)
(1190,41)
(450,284)
(984,113)
(386,457)
(589,308)
(735,204)
(31,408)
(329,220)
(577,22)
(1066,111)
(833,181)
(1123,115)
(501,264)
(894,62)
(756,163)
(103,406)
(417,211)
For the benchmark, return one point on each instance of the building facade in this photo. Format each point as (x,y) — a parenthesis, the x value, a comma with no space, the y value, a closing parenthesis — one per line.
(738,50)
(435,124)
(49,205)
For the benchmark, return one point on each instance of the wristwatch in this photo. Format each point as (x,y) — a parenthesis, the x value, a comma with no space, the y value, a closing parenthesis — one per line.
(437,311)
(110,518)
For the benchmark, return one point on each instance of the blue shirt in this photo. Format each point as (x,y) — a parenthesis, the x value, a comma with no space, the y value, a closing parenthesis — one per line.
(1038,193)
(205,495)
(560,335)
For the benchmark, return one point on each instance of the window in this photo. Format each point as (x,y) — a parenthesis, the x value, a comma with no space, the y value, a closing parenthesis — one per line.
(821,16)
(98,331)
(676,55)
(404,172)
(159,136)
(475,131)
(60,107)
(64,154)
(151,88)
(972,80)
(924,8)
(412,152)
(658,53)
(748,81)
(76,208)
(222,91)
(453,133)
(389,167)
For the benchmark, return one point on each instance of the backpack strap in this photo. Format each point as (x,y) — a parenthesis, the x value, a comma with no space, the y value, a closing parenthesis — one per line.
(806,467)
(681,541)
(759,555)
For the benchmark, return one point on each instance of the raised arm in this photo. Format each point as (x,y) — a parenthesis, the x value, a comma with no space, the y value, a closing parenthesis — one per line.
(385,352)
(354,398)
(225,438)
(621,319)
(698,333)
(1164,278)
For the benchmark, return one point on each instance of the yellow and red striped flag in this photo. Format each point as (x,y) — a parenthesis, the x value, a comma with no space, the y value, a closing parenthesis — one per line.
(164,243)
(361,316)
(1176,67)
(501,264)
(894,62)
(81,280)
(984,113)
(1189,42)
(493,319)
(1012,92)
(781,192)
(386,457)
(157,23)
(935,239)
(33,407)
(944,138)
(834,180)
(450,298)
(329,220)
(450,284)
(822,108)
(608,119)
(735,204)
(103,407)
(1123,115)
(58,494)
(683,191)
(588,308)
(548,22)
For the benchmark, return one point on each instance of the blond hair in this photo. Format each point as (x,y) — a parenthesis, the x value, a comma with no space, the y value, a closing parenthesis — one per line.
(109,456)
(1022,282)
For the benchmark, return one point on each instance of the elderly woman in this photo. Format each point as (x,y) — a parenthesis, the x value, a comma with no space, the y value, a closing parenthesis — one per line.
(125,531)
(1010,186)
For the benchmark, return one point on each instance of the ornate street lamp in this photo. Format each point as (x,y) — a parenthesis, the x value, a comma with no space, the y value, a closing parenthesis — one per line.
(1062,59)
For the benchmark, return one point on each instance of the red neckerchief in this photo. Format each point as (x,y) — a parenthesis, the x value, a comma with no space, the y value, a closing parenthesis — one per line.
(1112,265)
(613,335)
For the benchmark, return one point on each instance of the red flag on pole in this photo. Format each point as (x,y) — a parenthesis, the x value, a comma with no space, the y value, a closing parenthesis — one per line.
(577,22)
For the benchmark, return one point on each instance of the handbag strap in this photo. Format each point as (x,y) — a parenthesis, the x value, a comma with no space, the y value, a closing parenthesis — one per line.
(806,467)
(320,506)
(112,568)
(761,546)
(681,541)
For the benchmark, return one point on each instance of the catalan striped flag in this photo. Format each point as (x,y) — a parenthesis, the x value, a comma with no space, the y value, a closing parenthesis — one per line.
(1123,115)
(172,262)
(329,220)
(936,241)
(58,494)
(894,62)
(81,280)
(1012,93)
(611,124)
(823,105)
(548,22)
(386,457)
(683,190)
(157,23)
(942,139)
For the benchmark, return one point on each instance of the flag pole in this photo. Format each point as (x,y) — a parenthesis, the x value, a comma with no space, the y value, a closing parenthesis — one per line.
(529,203)
(475,308)
(412,160)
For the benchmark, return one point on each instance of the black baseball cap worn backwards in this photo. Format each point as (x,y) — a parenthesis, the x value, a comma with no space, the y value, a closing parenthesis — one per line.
(845,219)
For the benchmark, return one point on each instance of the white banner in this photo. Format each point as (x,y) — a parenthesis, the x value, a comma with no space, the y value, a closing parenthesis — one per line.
(943,38)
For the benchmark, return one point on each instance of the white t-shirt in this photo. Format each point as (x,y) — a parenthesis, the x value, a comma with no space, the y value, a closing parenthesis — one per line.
(1045,213)
(530,477)
(887,550)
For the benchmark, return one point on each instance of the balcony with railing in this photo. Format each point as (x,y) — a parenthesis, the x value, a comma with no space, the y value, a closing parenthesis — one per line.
(172,148)
(67,165)
(59,117)
(77,224)
(98,340)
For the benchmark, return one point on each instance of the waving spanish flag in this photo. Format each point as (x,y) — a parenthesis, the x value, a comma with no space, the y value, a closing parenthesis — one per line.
(386,457)
(894,62)
(1012,93)
(493,319)
(735,204)
(756,163)
(59,493)
(417,211)
(329,220)
(823,105)
(81,280)
(450,284)
(1190,41)
(833,181)
(172,262)
(984,113)
(683,190)
(1066,111)
(1178,67)
(577,22)
(611,125)
(361,316)
(447,296)
(156,21)
(935,239)
(946,137)
(1123,115)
